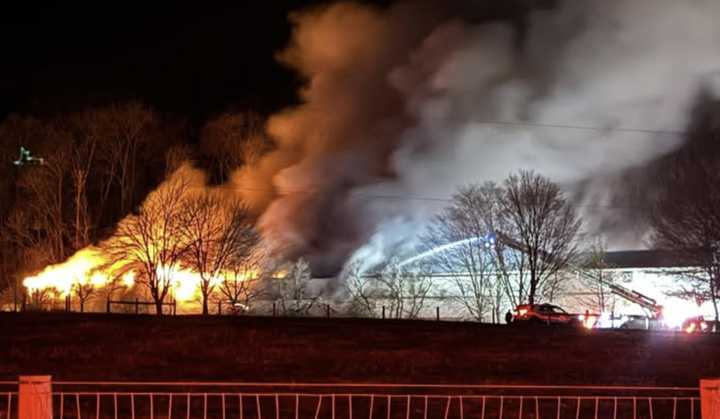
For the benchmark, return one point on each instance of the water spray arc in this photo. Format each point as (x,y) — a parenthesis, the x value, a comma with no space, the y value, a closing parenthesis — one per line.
(489,240)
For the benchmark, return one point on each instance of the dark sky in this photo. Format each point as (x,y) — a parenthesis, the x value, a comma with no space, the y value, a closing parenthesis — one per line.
(187,59)
(193,59)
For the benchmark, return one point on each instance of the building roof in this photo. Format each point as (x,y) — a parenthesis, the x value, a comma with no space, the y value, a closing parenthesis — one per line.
(646,259)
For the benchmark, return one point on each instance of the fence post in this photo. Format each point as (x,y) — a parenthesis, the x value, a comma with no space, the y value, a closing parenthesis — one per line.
(327,310)
(383,312)
(107,306)
(15,296)
(35,397)
(174,308)
(710,398)
(219,307)
(437,313)
(274,309)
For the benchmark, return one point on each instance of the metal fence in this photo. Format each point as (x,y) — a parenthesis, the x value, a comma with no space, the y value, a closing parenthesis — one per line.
(76,400)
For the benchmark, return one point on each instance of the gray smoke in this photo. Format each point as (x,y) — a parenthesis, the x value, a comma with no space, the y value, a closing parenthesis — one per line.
(412,101)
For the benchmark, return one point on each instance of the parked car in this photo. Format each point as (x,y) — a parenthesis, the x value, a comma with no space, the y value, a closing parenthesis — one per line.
(545,314)
(635,321)
(638,321)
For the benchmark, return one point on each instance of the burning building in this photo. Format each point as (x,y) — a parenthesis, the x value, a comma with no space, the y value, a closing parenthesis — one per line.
(402,104)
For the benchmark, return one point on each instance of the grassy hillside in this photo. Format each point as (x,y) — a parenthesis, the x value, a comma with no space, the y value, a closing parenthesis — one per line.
(122,347)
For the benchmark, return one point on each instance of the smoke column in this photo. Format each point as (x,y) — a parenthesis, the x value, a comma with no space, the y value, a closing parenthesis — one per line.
(416,99)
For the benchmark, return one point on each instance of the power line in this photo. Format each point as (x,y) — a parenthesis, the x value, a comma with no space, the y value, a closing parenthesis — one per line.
(582,127)
(415,197)
(497,123)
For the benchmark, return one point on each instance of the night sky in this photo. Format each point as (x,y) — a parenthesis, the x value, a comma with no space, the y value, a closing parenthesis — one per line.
(188,59)
(192,60)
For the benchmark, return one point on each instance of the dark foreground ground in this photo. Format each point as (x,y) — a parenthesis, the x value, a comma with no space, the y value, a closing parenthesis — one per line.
(122,347)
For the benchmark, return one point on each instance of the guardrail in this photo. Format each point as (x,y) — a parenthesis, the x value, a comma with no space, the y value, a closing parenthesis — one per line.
(185,400)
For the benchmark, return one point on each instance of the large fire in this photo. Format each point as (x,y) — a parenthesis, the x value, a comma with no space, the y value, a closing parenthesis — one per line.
(181,230)
(88,268)
(80,270)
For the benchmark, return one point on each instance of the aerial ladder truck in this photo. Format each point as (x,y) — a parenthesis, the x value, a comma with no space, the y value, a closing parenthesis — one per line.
(650,305)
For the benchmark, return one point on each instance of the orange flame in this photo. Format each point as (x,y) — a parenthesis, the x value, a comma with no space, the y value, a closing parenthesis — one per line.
(79,269)
(88,267)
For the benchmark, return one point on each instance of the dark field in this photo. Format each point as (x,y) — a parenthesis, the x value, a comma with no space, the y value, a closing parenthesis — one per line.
(146,348)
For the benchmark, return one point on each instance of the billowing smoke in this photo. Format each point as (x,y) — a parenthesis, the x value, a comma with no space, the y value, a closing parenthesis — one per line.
(403,104)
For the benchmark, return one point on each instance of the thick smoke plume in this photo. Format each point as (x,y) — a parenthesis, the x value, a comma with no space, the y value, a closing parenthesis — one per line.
(405,103)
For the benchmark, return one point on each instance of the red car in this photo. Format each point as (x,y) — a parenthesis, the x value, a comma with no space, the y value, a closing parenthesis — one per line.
(551,314)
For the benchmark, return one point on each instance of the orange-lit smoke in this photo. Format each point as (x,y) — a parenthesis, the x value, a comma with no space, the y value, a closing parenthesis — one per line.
(339,138)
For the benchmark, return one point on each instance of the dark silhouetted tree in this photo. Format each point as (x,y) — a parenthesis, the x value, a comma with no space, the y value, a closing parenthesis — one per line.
(686,220)
(219,236)
(542,223)
(150,243)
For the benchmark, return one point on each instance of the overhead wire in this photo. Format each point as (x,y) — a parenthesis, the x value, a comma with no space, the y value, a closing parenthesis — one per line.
(582,127)
(412,197)
(314,189)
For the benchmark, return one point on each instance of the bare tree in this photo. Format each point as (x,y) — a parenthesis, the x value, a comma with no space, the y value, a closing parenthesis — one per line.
(82,161)
(405,289)
(462,241)
(116,285)
(176,156)
(9,254)
(150,243)
(459,243)
(241,287)
(91,176)
(234,139)
(84,291)
(362,290)
(294,293)
(593,278)
(104,167)
(42,298)
(41,209)
(35,257)
(543,224)
(219,236)
(686,220)
(129,128)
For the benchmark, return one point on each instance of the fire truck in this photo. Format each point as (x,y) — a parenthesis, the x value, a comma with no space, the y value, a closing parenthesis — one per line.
(654,319)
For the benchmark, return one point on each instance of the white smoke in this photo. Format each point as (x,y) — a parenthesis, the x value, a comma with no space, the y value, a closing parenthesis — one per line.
(402,108)
(598,87)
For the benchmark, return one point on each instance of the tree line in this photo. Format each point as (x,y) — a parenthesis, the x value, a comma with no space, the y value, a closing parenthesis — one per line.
(495,245)
(99,164)
(502,244)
